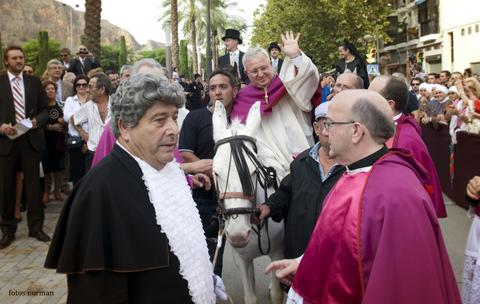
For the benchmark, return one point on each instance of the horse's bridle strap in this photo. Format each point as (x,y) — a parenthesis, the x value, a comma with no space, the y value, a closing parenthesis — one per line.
(232,195)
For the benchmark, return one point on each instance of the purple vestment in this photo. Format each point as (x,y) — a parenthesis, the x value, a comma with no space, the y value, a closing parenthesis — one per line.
(378,241)
(251,94)
(408,137)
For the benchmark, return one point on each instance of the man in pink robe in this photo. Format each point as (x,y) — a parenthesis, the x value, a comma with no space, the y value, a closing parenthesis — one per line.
(408,135)
(377,239)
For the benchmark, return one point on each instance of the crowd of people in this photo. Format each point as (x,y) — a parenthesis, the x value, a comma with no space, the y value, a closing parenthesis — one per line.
(339,143)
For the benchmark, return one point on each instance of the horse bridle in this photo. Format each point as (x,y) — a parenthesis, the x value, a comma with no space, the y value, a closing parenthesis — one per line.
(265,176)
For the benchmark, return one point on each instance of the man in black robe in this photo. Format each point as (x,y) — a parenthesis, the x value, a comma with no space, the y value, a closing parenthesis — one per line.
(130,225)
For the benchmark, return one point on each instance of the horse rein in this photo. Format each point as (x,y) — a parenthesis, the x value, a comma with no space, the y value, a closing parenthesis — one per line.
(268,175)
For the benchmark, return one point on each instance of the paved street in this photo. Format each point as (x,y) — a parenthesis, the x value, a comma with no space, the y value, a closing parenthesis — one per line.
(22,272)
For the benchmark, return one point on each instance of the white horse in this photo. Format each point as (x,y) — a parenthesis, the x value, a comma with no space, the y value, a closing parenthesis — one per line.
(239,174)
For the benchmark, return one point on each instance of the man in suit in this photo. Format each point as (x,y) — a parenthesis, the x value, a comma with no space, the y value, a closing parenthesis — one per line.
(233,58)
(83,64)
(274,51)
(64,88)
(65,57)
(21,96)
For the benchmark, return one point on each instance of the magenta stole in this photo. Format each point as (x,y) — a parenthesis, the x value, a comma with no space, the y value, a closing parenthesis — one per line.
(250,94)
(329,271)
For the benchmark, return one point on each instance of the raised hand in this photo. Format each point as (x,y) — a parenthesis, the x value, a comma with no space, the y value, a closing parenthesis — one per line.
(289,44)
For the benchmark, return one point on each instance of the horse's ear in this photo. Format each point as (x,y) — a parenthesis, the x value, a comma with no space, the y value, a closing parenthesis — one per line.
(253,119)
(219,120)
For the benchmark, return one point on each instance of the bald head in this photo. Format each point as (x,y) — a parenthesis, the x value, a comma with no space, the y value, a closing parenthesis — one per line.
(393,89)
(347,81)
(370,109)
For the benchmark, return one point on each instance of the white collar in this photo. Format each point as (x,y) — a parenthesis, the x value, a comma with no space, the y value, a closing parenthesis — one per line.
(397,117)
(177,215)
(11,76)
(359,170)
(235,53)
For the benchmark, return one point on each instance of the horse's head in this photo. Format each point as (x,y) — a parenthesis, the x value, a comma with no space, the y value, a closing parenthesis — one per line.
(235,172)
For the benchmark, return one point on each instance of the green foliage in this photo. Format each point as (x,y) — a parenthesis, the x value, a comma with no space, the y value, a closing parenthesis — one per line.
(323,25)
(183,53)
(43,52)
(122,54)
(109,59)
(157,54)
(31,49)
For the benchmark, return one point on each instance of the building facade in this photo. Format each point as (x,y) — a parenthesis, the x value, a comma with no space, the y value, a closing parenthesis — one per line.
(432,35)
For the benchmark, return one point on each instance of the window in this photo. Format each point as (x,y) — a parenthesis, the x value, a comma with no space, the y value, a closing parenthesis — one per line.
(477,28)
(469,30)
(463,32)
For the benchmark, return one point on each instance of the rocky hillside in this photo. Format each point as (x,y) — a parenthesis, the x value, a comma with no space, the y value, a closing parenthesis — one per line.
(21,20)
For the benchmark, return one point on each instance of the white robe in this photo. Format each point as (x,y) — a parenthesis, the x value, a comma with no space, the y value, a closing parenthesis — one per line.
(287,131)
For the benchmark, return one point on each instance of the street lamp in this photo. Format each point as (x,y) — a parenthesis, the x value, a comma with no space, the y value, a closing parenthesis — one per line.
(168,47)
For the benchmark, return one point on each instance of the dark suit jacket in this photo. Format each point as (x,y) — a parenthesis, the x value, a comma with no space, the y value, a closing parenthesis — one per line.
(35,107)
(224,63)
(77,68)
(280,62)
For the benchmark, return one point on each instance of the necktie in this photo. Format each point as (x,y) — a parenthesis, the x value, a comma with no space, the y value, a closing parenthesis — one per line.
(18,99)
(232,59)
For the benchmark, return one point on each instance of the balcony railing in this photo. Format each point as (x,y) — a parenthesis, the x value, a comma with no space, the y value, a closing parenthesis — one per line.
(428,27)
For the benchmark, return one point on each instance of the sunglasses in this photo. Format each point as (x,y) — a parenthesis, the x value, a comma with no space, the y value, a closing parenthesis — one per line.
(83,85)
(415,84)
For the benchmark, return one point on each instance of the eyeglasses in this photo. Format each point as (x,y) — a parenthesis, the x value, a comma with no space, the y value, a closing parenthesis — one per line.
(255,72)
(329,123)
(63,55)
(415,84)
(83,85)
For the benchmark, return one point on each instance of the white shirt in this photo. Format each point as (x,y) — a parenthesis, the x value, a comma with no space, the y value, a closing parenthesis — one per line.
(234,56)
(72,104)
(275,65)
(11,77)
(90,115)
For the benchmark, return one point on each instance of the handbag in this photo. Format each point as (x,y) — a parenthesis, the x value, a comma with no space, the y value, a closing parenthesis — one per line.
(74,142)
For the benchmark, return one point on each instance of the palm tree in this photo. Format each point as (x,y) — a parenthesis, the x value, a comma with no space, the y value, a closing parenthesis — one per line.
(220,20)
(192,16)
(93,10)
(174,23)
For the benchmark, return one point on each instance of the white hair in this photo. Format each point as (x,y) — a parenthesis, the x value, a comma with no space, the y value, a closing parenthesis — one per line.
(253,52)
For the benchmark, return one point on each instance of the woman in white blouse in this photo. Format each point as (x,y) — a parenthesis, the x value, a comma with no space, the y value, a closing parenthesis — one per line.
(75,144)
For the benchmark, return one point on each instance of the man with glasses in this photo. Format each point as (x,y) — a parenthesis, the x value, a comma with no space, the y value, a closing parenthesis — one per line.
(65,58)
(377,239)
(415,86)
(27,69)
(299,199)
(285,98)
(346,81)
(84,63)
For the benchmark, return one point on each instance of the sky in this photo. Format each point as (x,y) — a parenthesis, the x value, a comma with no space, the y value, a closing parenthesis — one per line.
(140,17)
